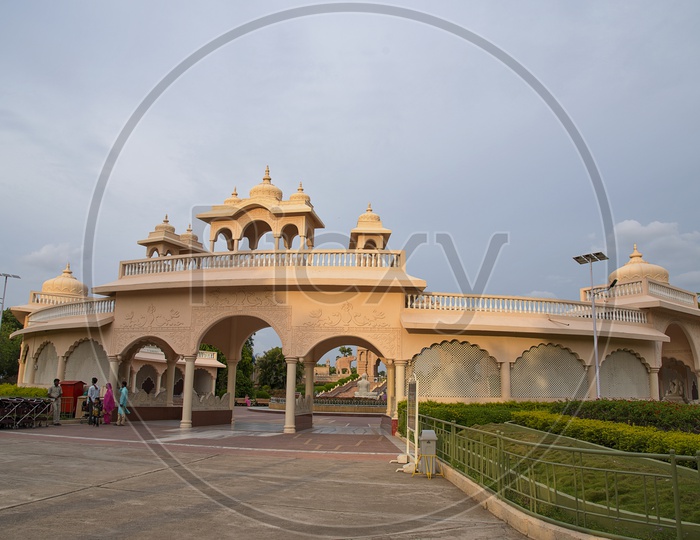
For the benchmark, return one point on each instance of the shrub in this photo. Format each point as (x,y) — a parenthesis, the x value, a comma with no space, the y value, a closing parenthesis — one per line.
(12,390)
(612,434)
(261,394)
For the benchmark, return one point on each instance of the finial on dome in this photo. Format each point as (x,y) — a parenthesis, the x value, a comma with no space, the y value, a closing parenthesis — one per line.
(300,189)
(235,192)
(67,270)
(636,255)
(267,173)
(189,228)
(369,207)
(165,219)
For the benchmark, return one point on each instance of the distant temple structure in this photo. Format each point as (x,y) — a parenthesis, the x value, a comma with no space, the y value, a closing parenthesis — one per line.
(147,326)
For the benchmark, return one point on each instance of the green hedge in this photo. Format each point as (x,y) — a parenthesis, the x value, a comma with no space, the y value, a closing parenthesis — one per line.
(662,415)
(611,434)
(470,414)
(12,390)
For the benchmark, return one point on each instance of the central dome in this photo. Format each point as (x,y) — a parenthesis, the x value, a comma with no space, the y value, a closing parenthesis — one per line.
(368,216)
(65,284)
(637,268)
(266,190)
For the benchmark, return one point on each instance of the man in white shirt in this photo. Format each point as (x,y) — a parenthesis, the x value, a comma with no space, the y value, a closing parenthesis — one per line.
(93,394)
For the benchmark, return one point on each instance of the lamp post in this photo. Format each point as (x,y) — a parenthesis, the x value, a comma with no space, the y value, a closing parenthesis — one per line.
(4,292)
(590,258)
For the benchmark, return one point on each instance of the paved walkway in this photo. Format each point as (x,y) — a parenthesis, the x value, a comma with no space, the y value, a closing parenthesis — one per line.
(156,481)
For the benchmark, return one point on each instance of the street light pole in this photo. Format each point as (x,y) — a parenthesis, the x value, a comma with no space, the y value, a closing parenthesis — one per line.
(590,258)
(4,292)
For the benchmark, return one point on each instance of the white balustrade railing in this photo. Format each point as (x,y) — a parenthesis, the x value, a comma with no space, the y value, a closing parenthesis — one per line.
(152,349)
(75,309)
(646,287)
(505,304)
(52,299)
(263,259)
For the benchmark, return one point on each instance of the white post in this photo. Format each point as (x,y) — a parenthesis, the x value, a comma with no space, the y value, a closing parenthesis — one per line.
(289,412)
(186,422)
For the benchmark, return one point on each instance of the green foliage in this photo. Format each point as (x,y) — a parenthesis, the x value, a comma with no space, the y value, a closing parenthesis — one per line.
(345,351)
(12,390)
(611,434)
(244,370)
(662,415)
(262,394)
(272,369)
(9,348)
(470,414)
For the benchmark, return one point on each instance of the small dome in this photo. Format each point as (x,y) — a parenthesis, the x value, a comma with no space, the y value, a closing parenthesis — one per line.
(266,190)
(189,237)
(637,268)
(300,196)
(233,199)
(65,284)
(368,216)
(165,226)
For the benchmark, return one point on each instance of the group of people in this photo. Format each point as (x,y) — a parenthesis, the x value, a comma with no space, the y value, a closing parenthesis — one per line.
(99,409)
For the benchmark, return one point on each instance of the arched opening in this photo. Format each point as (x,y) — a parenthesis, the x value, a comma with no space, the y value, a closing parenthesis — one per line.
(549,372)
(254,232)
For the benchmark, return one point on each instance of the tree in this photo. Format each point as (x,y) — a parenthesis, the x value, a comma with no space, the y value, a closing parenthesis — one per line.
(345,351)
(244,383)
(9,348)
(272,369)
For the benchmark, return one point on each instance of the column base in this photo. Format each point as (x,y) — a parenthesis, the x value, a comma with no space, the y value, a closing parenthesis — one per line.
(186,424)
(290,429)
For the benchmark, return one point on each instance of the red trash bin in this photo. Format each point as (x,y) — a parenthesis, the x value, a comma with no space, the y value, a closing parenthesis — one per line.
(72,390)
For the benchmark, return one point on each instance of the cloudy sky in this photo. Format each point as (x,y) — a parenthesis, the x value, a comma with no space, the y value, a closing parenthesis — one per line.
(445,140)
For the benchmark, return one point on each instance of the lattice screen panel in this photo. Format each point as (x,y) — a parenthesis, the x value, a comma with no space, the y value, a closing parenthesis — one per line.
(46,365)
(622,375)
(87,361)
(548,372)
(456,370)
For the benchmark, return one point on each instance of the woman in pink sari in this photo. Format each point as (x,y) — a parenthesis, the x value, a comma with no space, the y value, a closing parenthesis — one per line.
(108,404)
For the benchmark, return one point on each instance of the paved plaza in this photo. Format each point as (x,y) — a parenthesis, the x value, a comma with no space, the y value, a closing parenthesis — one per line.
(156,481)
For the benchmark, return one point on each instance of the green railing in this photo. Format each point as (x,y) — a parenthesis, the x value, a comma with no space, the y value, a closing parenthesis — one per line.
(606,492)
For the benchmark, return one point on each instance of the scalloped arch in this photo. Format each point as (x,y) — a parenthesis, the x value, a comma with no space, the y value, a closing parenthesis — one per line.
(455,341)
(630,351)
(556,345)
(77,343)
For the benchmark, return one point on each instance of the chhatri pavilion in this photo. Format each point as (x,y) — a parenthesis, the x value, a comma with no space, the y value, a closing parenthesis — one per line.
(146,327)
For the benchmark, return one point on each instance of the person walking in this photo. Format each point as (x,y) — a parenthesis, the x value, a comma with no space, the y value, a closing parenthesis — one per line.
(108,404)
(123,399)
(55,393)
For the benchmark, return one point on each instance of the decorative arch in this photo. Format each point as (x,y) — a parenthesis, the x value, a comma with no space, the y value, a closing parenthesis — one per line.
(624,374)
(289,232)
(134,346)
(45,364)
(79,342)
(203,382)
(86,358)
(228,236)
(251,321)
(549,371)
(329,342)
(682,346)
(143,375)
(456,370)
(254,231)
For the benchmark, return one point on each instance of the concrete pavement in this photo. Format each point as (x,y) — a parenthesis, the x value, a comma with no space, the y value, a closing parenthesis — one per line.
(159,482)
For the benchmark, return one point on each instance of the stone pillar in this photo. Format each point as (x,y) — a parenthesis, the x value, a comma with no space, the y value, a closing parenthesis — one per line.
(159,381)
(187,392)
(22,364)
(505,381)
(114,370)
(654,383)
(61,370)
(400,379)
(289,424)
(390,388)
(302,242)
(213,384)
(277,242)
(309,379)
(170,382)
(235,244)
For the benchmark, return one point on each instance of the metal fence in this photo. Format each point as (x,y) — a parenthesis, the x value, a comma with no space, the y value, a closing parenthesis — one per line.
(606,492)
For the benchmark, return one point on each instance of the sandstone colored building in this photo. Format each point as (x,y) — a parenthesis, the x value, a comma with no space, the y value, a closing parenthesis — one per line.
(459,347)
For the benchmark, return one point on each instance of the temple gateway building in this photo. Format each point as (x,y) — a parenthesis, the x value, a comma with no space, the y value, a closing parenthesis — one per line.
(146,327)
